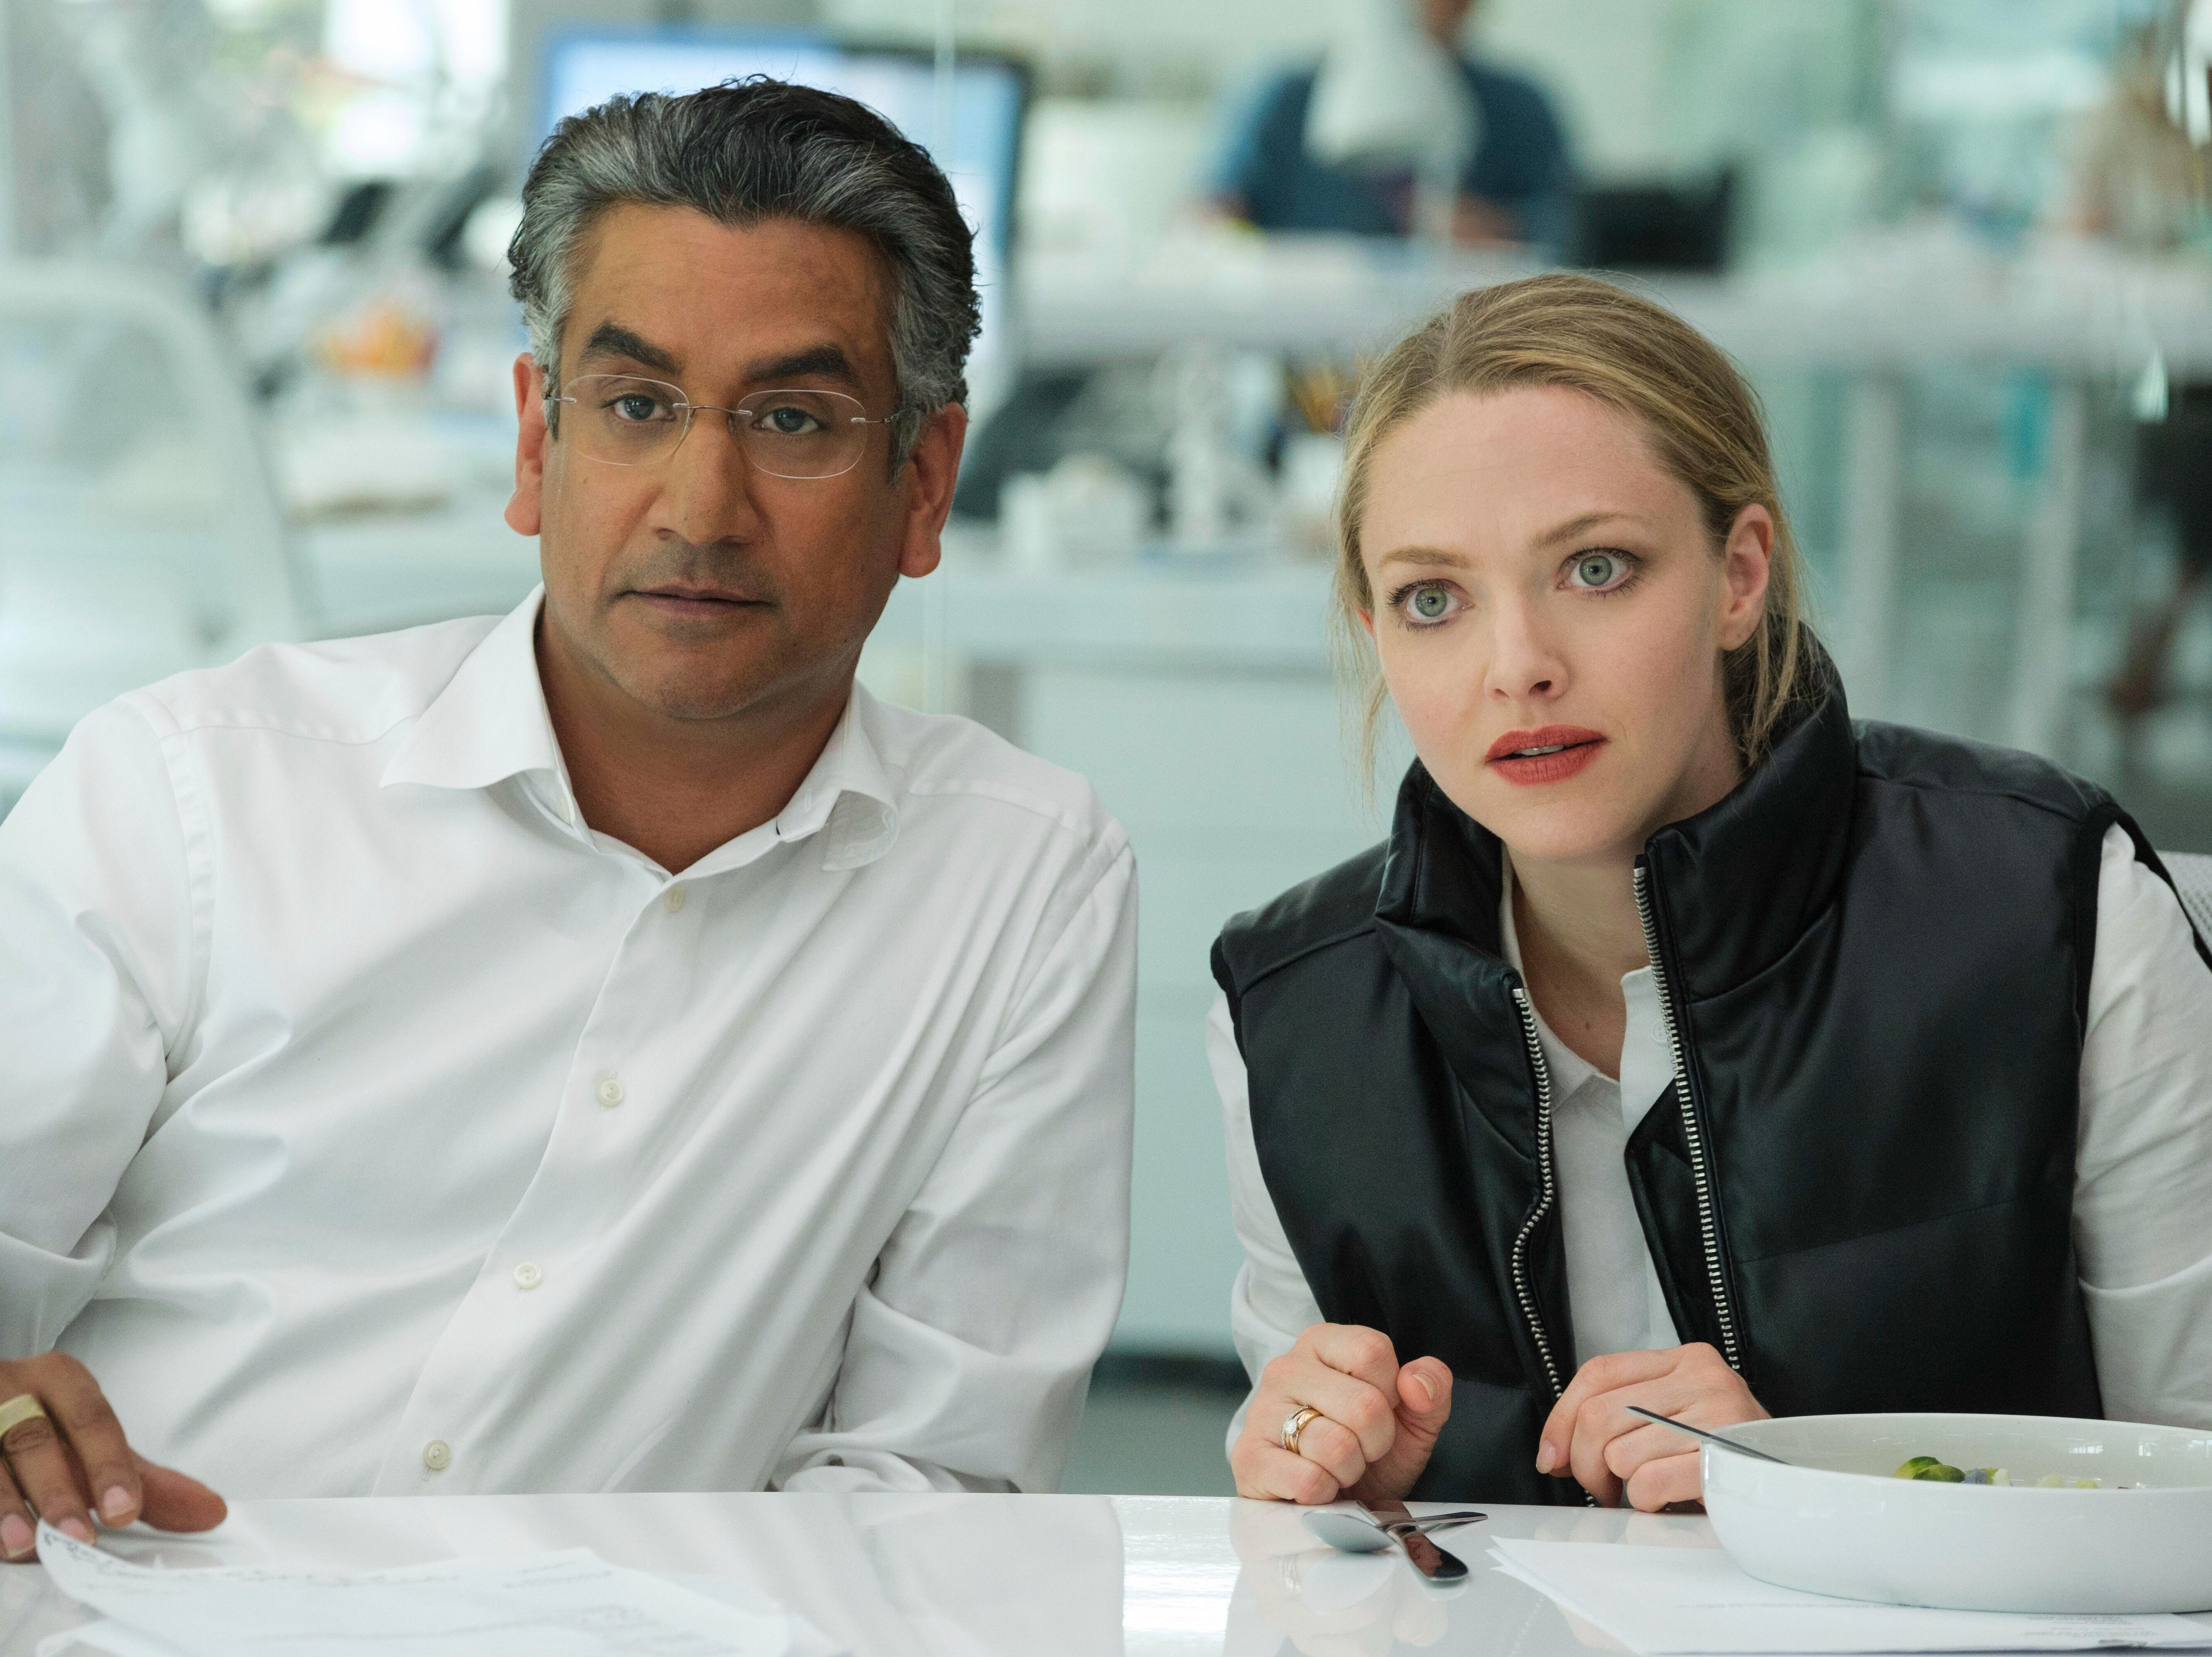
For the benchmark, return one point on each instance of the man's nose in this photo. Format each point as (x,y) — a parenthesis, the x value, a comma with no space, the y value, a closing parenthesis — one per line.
(706,485)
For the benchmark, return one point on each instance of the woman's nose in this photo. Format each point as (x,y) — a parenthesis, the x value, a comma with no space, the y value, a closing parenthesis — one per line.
(1524,660)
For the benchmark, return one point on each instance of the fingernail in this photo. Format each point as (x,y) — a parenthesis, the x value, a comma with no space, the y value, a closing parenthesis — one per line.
(116,1503)
(1428,1391)
(76,1528)
(15,1536)
(1546,1457)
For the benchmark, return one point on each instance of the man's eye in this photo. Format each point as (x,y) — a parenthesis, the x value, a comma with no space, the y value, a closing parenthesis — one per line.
(788,420)
(636,405)
(1597,569)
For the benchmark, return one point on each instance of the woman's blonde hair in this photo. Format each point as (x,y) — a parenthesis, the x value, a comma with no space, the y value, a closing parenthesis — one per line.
(1701,414)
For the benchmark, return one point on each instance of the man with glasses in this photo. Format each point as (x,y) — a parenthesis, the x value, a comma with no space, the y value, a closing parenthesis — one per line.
(601,1048)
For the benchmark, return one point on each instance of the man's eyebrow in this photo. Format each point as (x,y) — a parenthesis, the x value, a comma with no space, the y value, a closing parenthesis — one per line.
(1581,525)
(611,339)
(815,362)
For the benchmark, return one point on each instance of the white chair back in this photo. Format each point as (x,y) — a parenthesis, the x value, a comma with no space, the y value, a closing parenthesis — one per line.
(140,532)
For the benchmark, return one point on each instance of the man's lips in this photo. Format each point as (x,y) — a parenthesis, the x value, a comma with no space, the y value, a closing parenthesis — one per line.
(697,598)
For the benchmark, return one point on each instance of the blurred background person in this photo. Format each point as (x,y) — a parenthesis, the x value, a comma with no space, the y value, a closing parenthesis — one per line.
(1343,145)
(2145,184)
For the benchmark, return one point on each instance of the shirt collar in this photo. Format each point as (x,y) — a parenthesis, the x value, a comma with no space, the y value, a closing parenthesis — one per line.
(490,723)
(849,792)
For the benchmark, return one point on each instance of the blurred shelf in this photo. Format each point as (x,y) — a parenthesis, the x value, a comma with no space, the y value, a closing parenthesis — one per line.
(1890,303)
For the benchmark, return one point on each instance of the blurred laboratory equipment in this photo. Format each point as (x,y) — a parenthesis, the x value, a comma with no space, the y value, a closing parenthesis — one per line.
(1395,132)
(1224,406)
(1309,469)
(1089,510)
(144,536)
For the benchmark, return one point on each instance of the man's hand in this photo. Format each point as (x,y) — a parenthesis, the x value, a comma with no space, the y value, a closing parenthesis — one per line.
(1590,1437)
(72,1462)
(1377,1422)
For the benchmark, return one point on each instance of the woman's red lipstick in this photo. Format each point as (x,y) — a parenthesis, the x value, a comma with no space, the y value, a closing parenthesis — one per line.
(1550,753)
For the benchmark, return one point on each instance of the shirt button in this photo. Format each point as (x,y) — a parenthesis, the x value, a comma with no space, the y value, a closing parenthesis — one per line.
(527,1276)
(610,1091)
(672,899)
(437,1456)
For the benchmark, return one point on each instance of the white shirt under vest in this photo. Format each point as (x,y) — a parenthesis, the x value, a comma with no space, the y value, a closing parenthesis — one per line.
(369,1125)
(2143,1187)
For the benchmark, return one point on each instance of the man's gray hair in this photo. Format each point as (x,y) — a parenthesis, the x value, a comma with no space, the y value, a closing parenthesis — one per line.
(747,151)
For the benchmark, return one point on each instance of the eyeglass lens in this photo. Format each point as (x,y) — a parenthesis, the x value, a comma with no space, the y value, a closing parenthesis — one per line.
(627,422)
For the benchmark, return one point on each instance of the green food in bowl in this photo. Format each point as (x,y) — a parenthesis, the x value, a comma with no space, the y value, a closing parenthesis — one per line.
(1927,1468)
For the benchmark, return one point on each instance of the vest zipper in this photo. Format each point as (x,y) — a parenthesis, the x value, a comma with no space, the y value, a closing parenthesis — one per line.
(1708,1225)
(1549,1186)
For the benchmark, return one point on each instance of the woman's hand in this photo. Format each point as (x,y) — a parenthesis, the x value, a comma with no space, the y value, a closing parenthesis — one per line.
(1590,1437)
(1377,1422)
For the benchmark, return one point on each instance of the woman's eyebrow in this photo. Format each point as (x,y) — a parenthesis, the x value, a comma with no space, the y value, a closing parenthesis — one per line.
(1581,525)
(1435,557)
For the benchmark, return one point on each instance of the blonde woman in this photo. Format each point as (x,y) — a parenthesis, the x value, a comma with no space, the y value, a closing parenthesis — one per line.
(1685,1045)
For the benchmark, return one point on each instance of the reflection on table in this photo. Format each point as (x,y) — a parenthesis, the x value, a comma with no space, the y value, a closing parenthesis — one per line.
(934,1575)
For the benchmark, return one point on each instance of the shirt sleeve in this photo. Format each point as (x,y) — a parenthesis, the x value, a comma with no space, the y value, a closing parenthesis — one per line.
(1270,1304)
(98,972)
(2143,1179)
(970,1348)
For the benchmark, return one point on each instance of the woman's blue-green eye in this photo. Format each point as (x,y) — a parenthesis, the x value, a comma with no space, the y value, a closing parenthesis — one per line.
(1431,604)
(1596,569)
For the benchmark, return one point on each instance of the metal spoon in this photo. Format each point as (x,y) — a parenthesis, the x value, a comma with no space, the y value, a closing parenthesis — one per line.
(1699,1432)
(1352,1535)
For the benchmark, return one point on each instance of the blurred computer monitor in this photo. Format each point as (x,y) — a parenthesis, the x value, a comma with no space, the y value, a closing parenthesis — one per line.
(972,127)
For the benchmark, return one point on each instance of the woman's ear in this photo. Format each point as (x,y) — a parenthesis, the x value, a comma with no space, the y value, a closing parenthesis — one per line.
(1367,620)
(1746,560)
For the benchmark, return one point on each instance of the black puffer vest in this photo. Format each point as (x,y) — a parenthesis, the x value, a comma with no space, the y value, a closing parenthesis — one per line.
(1875,959)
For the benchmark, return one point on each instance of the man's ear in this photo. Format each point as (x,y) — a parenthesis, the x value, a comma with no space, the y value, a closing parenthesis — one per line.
(524,513)
(932,469)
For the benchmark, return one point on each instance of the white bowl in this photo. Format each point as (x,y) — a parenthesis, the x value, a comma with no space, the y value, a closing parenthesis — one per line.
(1837,1522)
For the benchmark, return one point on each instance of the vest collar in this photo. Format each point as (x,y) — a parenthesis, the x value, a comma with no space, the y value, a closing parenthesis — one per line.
(1738,884)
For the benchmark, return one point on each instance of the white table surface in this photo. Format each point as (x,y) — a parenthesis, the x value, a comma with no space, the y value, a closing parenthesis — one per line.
(949,1576)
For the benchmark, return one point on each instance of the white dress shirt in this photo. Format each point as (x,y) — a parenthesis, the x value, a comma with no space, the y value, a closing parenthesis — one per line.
(369,1125)
(2143,1187)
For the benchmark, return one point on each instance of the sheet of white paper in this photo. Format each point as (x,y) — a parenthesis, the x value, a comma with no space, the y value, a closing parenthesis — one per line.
(1664,1601)
(560,1604)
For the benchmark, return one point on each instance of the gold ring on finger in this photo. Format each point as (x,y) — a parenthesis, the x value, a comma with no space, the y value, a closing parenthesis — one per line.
(24,1406)
(1296,1423)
